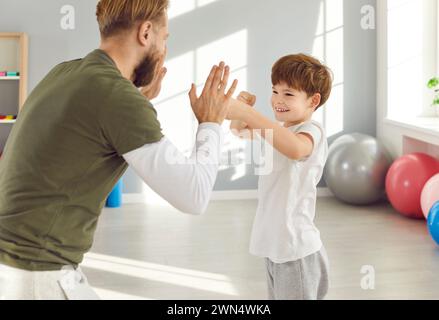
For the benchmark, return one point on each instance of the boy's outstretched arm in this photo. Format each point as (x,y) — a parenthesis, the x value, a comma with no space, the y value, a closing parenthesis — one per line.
(240,128)
(295,146)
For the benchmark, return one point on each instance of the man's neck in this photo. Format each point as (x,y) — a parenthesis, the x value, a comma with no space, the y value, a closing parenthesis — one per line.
(122,58)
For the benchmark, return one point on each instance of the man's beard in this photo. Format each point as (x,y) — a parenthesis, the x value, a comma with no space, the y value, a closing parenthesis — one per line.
(144,73)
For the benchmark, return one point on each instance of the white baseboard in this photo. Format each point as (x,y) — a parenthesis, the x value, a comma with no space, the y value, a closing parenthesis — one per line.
(130,198)
(324,192)
(134,198)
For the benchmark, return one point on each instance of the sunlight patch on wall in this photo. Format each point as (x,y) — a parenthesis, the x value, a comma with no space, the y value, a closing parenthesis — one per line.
(328,46)
(334,111)
(334,14)
(180,7)
(320,29)
(201,3)
(173,106)
(234,150)
(335,59)
(231,49)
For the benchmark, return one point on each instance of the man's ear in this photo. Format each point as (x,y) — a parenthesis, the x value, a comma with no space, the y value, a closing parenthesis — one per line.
(144,33)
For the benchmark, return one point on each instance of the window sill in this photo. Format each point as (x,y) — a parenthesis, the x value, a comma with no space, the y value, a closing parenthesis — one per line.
(421,125)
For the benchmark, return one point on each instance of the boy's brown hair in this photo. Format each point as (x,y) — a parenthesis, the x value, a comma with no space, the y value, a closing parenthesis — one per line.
(304,73)
(115,16)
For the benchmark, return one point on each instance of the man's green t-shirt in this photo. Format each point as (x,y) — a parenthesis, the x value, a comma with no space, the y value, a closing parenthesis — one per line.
(64,156)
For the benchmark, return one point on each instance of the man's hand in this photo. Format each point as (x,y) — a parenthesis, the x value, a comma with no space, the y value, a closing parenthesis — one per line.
(213,104)
(152,90)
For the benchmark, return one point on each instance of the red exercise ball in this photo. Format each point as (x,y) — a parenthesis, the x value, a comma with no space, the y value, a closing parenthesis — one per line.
(405,181)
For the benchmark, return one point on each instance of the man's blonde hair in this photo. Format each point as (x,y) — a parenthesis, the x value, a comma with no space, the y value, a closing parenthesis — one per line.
(115,16)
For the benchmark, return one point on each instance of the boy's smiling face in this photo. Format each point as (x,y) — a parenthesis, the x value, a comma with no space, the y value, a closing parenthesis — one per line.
(292,106)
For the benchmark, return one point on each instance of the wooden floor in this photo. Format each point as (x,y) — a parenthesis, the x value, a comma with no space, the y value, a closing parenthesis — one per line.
(155,252)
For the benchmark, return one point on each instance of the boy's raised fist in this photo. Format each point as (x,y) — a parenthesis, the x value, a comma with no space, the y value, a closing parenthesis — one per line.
(247,97)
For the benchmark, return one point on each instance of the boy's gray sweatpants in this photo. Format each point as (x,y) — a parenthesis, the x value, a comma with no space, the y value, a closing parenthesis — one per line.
(304,279)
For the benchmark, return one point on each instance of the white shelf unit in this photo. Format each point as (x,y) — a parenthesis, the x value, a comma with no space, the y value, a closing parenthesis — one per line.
(13,89)
(9,78)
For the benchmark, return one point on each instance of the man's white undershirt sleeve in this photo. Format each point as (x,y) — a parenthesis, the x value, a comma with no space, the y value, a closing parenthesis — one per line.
(186,183)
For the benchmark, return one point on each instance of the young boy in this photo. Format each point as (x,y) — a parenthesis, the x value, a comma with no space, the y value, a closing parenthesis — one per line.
(284,232)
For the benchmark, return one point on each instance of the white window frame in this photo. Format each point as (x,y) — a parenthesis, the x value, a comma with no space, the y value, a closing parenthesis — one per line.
(382,57)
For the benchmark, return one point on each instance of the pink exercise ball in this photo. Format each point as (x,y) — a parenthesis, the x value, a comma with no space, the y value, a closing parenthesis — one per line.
(406,180)
(430,195)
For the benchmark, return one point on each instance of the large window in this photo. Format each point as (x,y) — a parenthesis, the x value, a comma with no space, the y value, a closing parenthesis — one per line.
(411,57)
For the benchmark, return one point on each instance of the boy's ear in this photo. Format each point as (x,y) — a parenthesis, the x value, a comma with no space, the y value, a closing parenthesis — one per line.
(316,98)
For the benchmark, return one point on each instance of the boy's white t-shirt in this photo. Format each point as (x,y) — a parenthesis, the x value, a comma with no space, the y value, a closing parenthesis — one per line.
(284,229)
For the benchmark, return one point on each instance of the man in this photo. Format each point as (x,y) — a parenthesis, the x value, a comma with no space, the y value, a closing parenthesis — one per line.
(80,128)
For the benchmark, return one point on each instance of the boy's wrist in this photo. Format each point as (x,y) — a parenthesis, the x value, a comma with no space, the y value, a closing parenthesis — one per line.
(245,113)
(242,111)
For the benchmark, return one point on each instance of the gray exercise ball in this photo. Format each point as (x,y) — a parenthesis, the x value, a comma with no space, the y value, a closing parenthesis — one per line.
(356,169)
